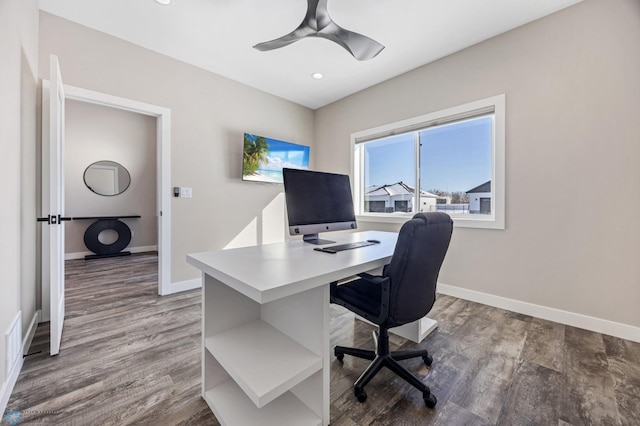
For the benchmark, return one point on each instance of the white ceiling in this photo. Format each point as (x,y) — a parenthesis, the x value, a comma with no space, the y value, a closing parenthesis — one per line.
(218,35)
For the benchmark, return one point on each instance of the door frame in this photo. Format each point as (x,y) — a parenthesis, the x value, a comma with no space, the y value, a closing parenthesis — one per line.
(163,167)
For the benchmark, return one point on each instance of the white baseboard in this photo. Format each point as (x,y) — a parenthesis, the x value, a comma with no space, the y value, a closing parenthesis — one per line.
(185,285)
(623,331)
(31,331)
(82,254)
(14,359)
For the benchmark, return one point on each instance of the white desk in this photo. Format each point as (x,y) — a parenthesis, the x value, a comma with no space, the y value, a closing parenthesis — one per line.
(265,327)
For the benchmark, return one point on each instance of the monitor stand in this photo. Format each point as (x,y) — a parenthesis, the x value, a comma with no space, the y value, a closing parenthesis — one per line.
(313,239)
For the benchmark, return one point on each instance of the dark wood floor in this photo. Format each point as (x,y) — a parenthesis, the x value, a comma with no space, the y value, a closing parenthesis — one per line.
(129,356)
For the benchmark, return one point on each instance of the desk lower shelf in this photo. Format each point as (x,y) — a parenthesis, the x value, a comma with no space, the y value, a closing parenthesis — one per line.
(275,363)
(416,331)
(231,406)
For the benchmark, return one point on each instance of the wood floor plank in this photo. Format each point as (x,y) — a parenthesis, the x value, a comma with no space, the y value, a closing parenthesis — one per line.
(131,357)
(452,414)
(588,393)
(544,344)
(480,392)
(533,397)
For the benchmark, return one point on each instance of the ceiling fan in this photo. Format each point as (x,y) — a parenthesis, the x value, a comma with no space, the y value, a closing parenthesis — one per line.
(318,23)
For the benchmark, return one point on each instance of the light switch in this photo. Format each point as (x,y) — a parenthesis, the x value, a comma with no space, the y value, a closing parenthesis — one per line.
(185,192)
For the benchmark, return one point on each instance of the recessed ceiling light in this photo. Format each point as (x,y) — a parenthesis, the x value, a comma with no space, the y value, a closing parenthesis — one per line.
(163,1)
(317,75)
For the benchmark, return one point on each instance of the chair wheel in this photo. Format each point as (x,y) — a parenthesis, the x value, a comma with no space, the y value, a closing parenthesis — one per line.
(430,400)
(428,360)
(360,394)
(340,356)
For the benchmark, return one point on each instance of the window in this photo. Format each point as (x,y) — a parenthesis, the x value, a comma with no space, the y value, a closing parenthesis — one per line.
(450,161)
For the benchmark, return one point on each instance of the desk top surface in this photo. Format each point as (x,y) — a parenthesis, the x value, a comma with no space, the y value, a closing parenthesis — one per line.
(272,271)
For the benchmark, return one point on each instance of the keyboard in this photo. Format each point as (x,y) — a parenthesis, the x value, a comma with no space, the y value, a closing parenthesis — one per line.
(343,247)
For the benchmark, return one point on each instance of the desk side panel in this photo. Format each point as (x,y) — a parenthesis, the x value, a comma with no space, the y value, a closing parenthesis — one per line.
(222,309)
(305,318)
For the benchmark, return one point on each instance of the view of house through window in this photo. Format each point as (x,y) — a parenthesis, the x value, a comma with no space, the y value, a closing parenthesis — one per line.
(389,174)
(450,161)
(454,165)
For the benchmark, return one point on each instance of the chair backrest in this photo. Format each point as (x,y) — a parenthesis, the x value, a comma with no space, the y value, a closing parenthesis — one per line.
(422,245)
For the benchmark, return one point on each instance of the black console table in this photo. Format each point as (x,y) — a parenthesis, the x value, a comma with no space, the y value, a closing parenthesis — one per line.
(103,223)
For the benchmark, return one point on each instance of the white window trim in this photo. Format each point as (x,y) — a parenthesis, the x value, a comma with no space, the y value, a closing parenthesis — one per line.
(495,103)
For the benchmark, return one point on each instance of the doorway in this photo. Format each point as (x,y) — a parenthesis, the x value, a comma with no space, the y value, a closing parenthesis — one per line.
(163,178)
(163,168)
(110,181)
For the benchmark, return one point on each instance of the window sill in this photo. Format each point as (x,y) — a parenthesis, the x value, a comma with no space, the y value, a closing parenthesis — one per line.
(458,222)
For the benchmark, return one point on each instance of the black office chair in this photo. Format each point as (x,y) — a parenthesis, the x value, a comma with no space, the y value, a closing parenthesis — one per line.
(404,293)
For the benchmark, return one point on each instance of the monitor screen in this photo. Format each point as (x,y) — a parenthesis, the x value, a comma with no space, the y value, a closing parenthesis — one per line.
(317,202)
(264,158)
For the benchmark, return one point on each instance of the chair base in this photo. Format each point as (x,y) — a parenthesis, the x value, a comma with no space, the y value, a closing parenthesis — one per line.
(383,358)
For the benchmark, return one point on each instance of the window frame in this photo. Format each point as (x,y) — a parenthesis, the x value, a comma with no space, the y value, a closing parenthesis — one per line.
(494,105)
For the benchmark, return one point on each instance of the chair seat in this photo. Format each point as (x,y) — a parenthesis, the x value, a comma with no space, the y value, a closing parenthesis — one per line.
(359,296)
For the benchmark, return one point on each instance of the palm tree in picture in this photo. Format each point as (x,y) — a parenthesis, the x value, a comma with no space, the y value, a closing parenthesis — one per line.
(255,153)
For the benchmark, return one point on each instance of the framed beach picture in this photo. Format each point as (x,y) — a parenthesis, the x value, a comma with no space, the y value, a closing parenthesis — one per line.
(264,158)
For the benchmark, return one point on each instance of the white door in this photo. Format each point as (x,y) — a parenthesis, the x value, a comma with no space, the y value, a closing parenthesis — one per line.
(53,207)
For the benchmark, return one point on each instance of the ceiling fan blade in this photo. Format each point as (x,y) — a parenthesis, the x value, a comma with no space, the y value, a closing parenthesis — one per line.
(318,23)
(295,35)
(360,46)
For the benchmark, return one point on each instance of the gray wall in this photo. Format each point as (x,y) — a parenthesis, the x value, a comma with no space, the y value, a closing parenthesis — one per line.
(18,89)
(572,149)
(93,133)
(209,115)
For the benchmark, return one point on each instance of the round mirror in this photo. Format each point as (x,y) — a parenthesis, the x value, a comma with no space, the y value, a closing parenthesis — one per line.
(107,178)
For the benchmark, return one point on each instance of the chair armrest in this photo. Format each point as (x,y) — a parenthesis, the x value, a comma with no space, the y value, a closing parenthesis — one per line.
(385,291)
(384,270)
(385,288)
(375,279)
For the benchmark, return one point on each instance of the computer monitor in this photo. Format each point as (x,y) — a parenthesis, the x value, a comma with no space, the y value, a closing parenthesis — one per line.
(317,202)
